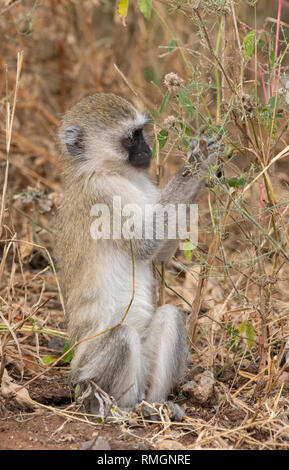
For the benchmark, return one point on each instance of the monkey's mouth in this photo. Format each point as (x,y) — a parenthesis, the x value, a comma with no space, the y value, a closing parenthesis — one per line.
(141,160)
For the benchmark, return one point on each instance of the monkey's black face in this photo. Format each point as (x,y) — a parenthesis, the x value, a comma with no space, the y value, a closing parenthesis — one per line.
(139,153)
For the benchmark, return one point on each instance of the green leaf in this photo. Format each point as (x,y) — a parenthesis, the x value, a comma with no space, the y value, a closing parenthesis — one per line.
(267,116)
(162,138)
(186,130)
(164,101)
(184,100)
(145,7)
(272,58)
(77,391)
(48,360)
(188,247)
(68,357)
(149,74)
(262,44)
(250,333)
(242,328)
(188,254)
(233,333)
(247,330)
(271,102)
(234,182)
(172,44)
(216,129)
(248,45)
(122,8)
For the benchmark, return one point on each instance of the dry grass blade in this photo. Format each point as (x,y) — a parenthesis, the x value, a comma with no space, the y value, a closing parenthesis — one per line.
(9,124)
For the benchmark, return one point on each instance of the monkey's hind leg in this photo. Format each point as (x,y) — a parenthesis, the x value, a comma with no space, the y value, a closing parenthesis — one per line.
(166,350)
(113,362)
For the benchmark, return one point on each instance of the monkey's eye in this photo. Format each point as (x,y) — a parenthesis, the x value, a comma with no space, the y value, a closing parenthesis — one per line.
(128,141)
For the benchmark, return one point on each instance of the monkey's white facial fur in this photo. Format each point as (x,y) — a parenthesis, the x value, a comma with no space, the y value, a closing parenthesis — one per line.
(104,127)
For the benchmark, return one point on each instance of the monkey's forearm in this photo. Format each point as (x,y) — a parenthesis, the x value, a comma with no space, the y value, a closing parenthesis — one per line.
(181,189)
(166,251)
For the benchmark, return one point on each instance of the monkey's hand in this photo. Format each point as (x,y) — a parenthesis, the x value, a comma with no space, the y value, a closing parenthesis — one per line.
(203,152)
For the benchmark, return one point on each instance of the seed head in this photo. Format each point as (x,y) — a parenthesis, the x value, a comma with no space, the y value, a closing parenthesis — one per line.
(173,82)
(170,121)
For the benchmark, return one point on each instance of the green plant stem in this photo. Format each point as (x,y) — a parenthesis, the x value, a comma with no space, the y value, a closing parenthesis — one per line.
(218,85)
(33,329)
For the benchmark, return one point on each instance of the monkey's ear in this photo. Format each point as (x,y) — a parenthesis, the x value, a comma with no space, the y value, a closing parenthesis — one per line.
(73,137)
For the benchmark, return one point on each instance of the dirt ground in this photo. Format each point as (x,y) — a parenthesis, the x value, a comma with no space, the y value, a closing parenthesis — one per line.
(58,423)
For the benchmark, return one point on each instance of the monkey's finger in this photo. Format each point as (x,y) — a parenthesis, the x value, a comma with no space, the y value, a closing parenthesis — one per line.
(217,147)
(194,146)
(213,143)
(211,140)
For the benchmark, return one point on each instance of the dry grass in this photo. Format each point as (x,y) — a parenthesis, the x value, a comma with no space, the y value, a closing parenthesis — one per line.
(234,286)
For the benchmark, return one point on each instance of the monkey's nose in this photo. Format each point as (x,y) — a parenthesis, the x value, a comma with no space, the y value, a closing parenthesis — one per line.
(148,152)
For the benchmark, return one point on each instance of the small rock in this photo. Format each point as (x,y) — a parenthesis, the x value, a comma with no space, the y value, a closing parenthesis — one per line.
(12,391)
(245,364)
(141,446)
(95,444)
(56,344)
(169,444)
(283,379)
(202,387)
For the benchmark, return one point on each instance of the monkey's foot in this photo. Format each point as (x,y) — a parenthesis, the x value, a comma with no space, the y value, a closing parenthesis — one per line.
(155,411)
(96,401)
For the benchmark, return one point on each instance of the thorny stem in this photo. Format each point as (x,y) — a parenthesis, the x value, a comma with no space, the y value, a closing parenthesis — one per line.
(212,50)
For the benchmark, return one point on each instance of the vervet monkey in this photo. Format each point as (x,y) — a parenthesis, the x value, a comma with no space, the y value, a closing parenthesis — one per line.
(105,155)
